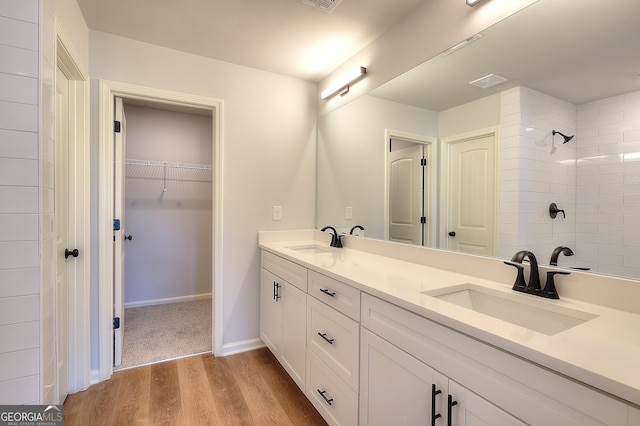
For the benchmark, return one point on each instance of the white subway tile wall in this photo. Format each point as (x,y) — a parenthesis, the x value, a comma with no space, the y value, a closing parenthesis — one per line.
(608,191)
(26,190)
(536,169)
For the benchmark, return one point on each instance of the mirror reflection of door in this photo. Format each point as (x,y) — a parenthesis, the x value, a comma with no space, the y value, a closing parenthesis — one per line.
(408,188)
(469,169)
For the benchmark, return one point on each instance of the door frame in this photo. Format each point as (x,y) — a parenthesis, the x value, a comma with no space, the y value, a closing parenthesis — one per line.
(108,90)
(79,293)
(444,183)
(431,147)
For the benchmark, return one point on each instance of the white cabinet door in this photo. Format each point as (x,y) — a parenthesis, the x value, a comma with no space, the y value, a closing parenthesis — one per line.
(270,312)
(294,331)
(471,410)
(396,388)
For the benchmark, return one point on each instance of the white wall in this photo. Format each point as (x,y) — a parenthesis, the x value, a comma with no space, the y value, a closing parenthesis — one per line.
(357,131)
(170,254)
(269,155)
(608,192)
(475,115)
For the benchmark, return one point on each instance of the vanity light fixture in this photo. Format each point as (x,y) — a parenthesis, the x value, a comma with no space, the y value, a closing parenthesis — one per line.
(343,88)
(473,2)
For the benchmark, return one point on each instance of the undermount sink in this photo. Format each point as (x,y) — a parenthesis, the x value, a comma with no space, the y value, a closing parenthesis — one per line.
(310,249)
(522,310)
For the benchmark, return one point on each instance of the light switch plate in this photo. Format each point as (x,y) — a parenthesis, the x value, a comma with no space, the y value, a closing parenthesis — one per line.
(277,212)
(348,213)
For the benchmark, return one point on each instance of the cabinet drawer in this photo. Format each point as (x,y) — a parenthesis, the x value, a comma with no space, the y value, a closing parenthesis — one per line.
(285,269)
(334,338)
(338,295)
(331,396)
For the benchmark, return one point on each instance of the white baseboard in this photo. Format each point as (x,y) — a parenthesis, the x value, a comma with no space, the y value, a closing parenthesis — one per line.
(242,346)
(152,302)
(95,376)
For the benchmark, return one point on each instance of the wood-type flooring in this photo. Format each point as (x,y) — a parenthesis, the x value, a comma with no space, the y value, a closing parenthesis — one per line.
(250,388)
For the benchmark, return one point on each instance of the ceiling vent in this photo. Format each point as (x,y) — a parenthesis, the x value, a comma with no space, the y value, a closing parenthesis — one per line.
(324,5)
(488,81)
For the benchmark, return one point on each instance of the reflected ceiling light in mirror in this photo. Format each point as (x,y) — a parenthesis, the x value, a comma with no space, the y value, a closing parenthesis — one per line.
(342,87)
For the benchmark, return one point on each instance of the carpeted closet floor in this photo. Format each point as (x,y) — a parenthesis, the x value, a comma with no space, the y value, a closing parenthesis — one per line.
(162,332)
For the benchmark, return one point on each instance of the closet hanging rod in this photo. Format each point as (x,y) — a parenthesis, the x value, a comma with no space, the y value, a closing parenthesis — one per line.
(189,166)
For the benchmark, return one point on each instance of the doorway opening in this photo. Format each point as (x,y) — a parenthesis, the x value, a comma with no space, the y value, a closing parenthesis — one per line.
(167,100)
(166,177)
(410,188)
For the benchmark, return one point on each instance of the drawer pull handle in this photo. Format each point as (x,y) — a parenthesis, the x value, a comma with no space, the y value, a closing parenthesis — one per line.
(324,336)
(327,292)
(327,400)
(434,416)
(450,404)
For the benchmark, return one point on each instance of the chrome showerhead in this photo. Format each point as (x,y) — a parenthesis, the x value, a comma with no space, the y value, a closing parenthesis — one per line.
(566,138)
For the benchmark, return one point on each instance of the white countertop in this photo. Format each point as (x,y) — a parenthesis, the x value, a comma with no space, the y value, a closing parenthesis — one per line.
(602,352)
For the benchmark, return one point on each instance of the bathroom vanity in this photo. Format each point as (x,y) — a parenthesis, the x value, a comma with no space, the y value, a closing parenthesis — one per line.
(375,333)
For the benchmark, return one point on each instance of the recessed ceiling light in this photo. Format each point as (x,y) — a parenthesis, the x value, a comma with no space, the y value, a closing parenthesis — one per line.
(488,81)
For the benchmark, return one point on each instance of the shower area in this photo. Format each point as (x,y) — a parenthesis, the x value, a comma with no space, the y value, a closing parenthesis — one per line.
(168,240)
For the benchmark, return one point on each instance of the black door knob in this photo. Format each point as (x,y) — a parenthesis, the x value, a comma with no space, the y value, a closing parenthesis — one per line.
(73,253)
(452,233)
(128,237)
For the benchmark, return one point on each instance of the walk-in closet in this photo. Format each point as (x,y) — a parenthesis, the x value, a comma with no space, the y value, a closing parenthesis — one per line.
(168,234)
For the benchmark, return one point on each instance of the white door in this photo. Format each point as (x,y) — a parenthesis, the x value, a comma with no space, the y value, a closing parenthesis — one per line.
(407,186)
(118,239)
(62,237)
(471,193)
(396,388)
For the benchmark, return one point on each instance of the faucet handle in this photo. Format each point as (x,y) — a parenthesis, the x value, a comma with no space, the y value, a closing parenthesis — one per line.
(519,284)
(549,290)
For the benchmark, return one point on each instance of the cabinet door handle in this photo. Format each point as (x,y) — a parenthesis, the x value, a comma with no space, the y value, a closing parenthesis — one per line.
(450,404)
(324,336)
(434,393)
(322,394)
(276,291)
(327,292)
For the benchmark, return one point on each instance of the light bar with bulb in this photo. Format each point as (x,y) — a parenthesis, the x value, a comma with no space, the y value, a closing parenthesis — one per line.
(343,87)
(473,2)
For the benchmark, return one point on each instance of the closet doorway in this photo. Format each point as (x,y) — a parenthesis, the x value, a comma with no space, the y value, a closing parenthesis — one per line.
(166,102)
(166,229)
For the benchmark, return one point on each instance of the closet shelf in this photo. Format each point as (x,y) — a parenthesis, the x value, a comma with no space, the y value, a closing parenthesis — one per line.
(168,171)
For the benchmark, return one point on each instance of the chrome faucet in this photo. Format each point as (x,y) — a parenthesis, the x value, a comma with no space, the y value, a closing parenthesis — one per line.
(336,240)
(556,253)
(533,286)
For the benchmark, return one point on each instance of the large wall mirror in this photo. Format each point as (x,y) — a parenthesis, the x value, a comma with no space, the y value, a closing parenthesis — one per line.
(430,159)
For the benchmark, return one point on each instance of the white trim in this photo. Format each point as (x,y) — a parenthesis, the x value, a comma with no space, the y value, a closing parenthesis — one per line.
(95,376)
(432,146)
(444,181)
(152,302)
(79,362)
(108,90)
(242,346)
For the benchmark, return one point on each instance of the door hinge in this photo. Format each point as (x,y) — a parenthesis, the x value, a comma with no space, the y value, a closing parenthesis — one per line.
(116,224)
(423,219)
(423,162)
(116,126)
(116,323)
